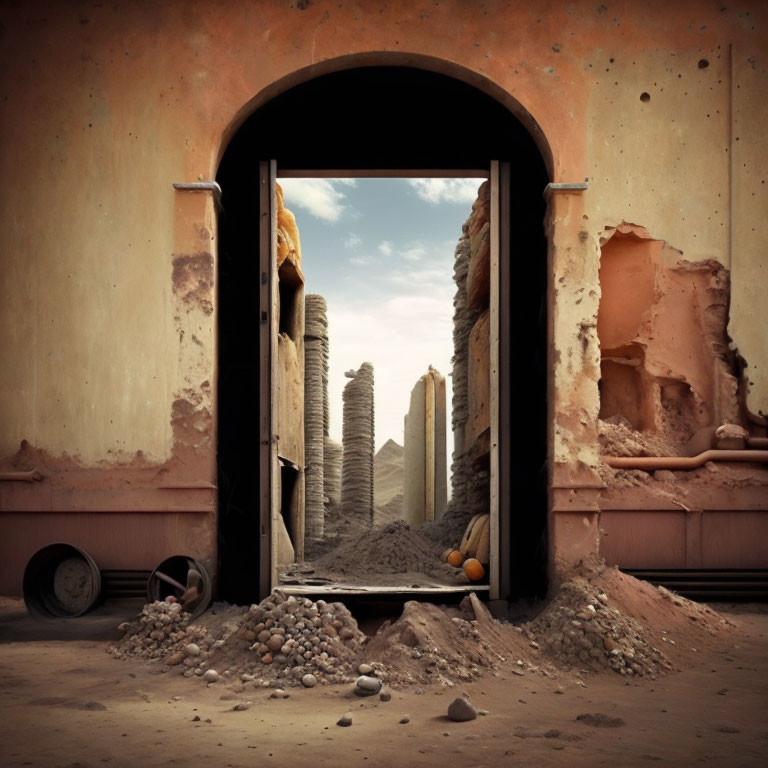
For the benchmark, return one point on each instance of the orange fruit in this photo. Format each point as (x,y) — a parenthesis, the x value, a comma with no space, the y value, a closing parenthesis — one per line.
(473,569)
(455,558)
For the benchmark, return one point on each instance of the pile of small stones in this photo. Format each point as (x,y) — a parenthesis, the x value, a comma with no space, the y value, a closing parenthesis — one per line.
(284,640)
(290,637)
(160,631)
(581,630)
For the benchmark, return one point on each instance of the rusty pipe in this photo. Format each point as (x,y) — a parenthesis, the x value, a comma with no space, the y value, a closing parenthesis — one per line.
(649,463)
(27,476)
(757,442)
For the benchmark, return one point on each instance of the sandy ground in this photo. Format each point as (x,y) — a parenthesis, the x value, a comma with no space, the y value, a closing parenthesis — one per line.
(65,702)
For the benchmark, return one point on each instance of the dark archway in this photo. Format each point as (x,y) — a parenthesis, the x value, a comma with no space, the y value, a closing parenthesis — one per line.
(383,117)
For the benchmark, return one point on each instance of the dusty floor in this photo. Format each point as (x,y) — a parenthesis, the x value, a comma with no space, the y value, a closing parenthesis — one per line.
(65,702)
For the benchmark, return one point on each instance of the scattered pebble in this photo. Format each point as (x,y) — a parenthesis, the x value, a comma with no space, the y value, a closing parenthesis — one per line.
(461,710)
(345,720)
(309,681)
(367,686)
(210,676)
(405,719)
(599,720)
(385,696)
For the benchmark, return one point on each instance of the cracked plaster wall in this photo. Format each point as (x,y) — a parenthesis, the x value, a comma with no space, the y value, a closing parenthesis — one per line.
(142,95)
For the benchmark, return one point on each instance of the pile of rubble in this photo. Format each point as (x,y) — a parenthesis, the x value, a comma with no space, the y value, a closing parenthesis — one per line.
(392,548)
(160,630)
(598,621)
(282,638)
(445,645)
(580,630)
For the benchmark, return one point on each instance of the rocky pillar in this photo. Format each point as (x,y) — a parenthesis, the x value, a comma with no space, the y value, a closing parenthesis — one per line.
(468,481)
(332,452)
(358,445)
(315,407)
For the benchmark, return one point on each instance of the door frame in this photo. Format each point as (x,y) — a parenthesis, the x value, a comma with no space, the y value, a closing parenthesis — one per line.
(499,176)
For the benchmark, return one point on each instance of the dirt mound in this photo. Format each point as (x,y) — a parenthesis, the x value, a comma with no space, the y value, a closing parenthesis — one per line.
(580,630)
(619,439)
(598,620)
(391,548)
(445,645)
(672,622)
(602,619)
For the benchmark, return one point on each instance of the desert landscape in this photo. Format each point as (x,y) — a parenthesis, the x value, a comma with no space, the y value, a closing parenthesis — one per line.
(611,671)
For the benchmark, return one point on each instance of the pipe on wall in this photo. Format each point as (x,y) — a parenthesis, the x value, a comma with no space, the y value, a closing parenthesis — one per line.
(25,476)
(650,463)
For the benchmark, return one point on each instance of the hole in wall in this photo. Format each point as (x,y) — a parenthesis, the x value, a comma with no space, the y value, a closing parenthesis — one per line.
(291,298)
(645,96)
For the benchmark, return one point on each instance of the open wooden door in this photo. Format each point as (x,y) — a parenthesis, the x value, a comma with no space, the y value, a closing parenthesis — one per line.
(500,373)
(269,495)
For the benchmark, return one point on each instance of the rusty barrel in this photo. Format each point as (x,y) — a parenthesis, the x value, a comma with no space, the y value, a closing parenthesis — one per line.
(61,581)
(170,579)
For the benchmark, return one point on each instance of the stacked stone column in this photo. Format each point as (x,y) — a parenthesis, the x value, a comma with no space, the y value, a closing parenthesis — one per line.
(463,320)
(332,455)
(469,480)
(315,413)
(358,445)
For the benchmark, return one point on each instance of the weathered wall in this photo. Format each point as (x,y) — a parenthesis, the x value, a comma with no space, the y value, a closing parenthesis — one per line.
(414,456)
(107,287)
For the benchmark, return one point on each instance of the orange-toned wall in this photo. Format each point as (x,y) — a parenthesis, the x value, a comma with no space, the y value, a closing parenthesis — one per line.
(107,275)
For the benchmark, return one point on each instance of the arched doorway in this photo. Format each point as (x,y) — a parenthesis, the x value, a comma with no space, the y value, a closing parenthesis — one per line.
(384,117)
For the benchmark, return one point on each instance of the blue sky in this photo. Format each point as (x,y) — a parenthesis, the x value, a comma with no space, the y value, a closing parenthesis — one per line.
(381,253)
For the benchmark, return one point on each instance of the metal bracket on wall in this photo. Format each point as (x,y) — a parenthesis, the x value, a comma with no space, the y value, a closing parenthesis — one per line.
(562,186)
(200,186)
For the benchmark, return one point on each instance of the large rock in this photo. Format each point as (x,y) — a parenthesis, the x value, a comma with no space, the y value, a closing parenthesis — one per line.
(479,381)
(479,273)
(461,710)
(367,686)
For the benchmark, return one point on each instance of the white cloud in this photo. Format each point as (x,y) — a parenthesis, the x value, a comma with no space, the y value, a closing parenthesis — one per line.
(360,261)
(352,241)
(401,336)
(321,197)
(413,252)
(446,190)
(429,275)
(385,248)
